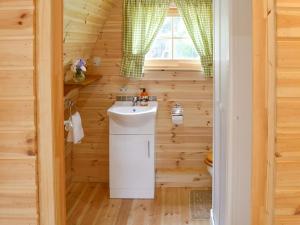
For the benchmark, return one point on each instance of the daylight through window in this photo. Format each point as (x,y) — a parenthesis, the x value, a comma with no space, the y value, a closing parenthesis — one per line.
(173,42)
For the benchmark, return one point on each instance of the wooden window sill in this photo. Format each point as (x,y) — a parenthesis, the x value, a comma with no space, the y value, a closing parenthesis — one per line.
(173,65)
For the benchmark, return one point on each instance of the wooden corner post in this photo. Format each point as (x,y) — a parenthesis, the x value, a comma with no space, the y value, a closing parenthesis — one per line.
(50,106)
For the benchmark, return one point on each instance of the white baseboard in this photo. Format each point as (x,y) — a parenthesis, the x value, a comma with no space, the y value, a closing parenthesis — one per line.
(212,222)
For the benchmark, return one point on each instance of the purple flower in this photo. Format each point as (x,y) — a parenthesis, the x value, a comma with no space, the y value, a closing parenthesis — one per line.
(79,65)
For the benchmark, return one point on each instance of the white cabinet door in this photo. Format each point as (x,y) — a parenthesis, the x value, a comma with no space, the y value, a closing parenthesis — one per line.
(132,173)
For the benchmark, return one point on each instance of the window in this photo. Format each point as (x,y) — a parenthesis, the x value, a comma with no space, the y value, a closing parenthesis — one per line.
(173,42)
(173,48)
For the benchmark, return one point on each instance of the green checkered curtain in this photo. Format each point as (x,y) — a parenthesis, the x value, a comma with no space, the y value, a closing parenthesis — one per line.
(142,20)
(198,18)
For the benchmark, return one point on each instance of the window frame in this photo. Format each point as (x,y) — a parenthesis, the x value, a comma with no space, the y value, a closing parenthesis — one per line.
(173,64)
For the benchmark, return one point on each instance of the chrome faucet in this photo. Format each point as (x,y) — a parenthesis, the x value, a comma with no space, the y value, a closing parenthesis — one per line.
(135,101)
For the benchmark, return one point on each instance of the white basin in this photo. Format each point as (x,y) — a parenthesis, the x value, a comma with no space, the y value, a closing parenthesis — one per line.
(128,119)
(125,109)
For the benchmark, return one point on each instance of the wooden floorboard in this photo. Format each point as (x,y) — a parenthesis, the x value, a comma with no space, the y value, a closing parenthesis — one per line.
(89,204)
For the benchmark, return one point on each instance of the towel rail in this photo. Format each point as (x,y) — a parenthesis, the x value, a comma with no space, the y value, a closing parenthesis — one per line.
(71,106)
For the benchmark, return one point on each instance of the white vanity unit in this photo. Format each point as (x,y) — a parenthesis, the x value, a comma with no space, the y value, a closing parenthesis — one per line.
(132,150)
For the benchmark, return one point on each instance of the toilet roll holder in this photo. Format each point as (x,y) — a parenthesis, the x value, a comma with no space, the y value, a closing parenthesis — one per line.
(177,110)
(177,114)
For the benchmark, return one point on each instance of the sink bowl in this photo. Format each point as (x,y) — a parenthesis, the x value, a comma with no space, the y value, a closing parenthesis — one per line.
(125,118)
(125,109)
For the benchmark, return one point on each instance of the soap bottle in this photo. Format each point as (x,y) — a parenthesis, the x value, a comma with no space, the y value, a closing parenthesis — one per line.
(144,97)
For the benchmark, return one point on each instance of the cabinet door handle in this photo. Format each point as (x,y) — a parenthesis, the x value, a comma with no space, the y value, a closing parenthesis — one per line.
(149,149)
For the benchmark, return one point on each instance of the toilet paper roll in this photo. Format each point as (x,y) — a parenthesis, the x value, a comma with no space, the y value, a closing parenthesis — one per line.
(177,120)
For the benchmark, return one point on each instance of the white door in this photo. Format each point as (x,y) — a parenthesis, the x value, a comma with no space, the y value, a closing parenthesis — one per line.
(132,173)
(232,112)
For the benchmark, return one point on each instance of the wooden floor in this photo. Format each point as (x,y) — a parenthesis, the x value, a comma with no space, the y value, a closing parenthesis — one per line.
(88,204)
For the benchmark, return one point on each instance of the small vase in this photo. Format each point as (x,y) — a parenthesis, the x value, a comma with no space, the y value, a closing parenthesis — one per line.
(79,77)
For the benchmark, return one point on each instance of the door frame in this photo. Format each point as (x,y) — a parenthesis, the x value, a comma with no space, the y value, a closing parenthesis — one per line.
(246,65)
(50,111)
(230,51)
(233,113)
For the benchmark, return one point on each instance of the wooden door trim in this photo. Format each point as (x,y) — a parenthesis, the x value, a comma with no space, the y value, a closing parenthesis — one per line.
(49,90)
(272,110)
(264,117)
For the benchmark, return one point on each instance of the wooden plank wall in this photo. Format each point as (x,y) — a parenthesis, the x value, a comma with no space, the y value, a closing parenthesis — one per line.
(83,22)
(73,96)
(180,150)
(287,189)
(68,163)
(18,153)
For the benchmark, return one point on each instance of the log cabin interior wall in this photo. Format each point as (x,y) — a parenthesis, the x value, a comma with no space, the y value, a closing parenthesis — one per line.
(287,195)
(180,150)
(83,23)
(18,153)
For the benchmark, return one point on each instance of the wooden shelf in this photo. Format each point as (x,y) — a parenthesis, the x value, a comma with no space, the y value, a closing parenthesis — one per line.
(70,85)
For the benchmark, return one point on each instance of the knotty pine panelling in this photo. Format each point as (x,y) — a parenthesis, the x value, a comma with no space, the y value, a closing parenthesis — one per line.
(83,22)
(287,189)
(180,151)
(18,153)
(73,96)
(68,164)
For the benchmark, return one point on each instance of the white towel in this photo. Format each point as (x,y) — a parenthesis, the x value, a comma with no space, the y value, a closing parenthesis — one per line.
(76,133)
